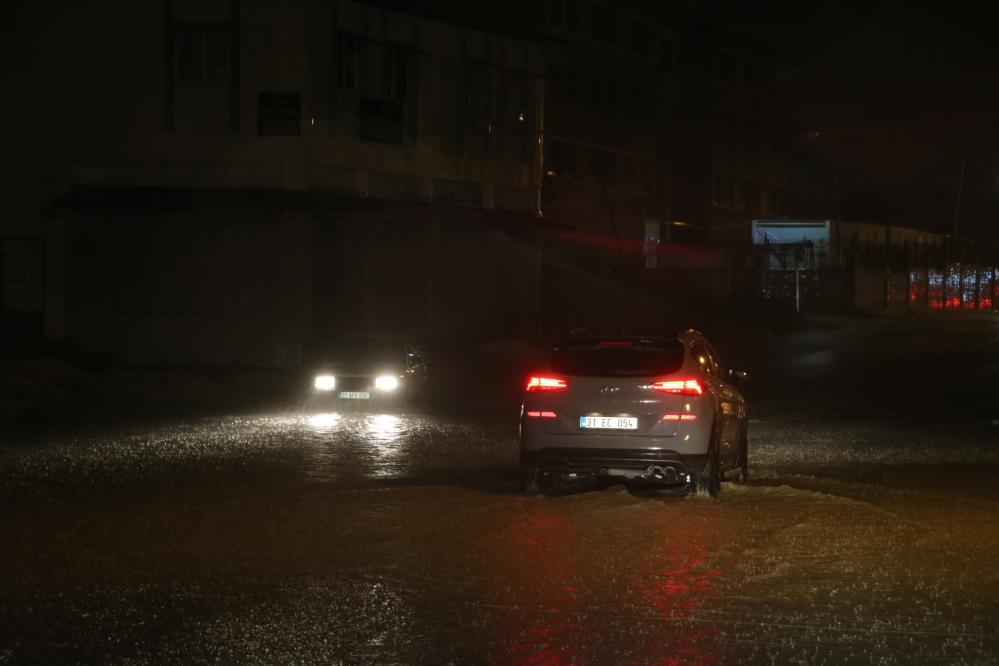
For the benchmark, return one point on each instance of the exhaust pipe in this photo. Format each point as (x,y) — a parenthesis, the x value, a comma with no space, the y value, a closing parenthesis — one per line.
(667,474)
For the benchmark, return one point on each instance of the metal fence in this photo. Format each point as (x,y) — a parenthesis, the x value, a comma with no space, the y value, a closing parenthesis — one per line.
(862,275)
(21,275)
(21,289)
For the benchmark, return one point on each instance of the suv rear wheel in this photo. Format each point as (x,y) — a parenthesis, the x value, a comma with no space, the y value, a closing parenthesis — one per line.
(529,481)
(709,480)
(744,458)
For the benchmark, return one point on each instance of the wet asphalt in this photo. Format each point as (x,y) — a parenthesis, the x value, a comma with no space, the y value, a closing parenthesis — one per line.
(868,532)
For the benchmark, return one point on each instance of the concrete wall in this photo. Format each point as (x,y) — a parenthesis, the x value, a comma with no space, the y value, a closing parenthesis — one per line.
(429,281)
(188,288)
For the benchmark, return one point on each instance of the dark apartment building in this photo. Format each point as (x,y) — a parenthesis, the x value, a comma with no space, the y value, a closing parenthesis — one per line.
(610,129)
(263,171)
(656,127)
(751,138)
(222,180)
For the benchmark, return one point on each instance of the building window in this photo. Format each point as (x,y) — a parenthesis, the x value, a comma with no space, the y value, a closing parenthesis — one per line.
(783,87)
(21,275)
(477,85)
(564,14)
(642,39)
(554,89)
(347,50)
(457,192)
(776,142)
(666,55)
(717,189)
(611,95)
(632,172)
(202,54)
(596,91)
(761,78)
(562,86)
(645,175)
(739,194)
(600,167)
(556,14)
(643,112)
(604,24)
(570,87)
(725,191)
(603,96)
(778,200)
(560,159)
(726,67)
(394,73)
(381,120)
(754,197)
(517,115)
(279,113)
(733,135)
(627,172)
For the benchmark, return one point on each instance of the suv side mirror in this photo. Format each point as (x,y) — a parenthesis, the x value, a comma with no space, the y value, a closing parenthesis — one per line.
(738,376)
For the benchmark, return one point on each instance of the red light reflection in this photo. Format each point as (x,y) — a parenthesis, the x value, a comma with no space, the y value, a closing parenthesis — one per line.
(545,556)
(584,589)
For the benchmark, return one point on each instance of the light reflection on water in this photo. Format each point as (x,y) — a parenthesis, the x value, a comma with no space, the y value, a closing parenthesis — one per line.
(346,446)
(321,422)
(550,551)
(356,445)
(815,362)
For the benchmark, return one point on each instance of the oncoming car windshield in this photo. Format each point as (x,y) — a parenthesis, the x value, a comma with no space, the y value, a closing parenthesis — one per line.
(609,357)
(369,349)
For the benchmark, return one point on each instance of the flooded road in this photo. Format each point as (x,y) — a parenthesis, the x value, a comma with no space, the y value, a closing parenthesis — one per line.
(867,534)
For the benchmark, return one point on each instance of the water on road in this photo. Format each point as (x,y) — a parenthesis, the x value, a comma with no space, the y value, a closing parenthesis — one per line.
(867,534)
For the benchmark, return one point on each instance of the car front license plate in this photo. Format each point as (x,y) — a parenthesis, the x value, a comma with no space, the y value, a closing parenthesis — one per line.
(608,423)
(355,395)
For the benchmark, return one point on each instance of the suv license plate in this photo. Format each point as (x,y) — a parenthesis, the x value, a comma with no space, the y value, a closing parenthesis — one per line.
(608,423)
(355,395)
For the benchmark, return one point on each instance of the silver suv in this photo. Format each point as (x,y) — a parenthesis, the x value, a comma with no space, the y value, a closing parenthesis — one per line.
(634,407)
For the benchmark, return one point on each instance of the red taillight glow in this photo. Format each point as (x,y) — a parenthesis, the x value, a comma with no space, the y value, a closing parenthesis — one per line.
(541,415)
(545,384)
(680,417)
(679,387)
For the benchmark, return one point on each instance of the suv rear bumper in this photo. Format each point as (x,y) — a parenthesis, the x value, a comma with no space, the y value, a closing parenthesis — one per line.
(613,462)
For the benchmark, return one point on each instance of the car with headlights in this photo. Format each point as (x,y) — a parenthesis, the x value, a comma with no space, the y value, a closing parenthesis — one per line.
(634,407)
(366,370)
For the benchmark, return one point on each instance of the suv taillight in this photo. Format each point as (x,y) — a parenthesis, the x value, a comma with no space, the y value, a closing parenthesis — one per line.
(679,387)
(545,384)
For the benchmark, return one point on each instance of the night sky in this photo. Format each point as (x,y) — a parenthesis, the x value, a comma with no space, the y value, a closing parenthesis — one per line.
(891,98)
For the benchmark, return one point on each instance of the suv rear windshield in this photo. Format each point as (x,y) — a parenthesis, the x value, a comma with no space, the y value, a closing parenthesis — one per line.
(617,358)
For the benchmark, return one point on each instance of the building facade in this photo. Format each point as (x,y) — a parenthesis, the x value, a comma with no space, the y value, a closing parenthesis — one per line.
(736,145)
(265,171)
(227,179)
